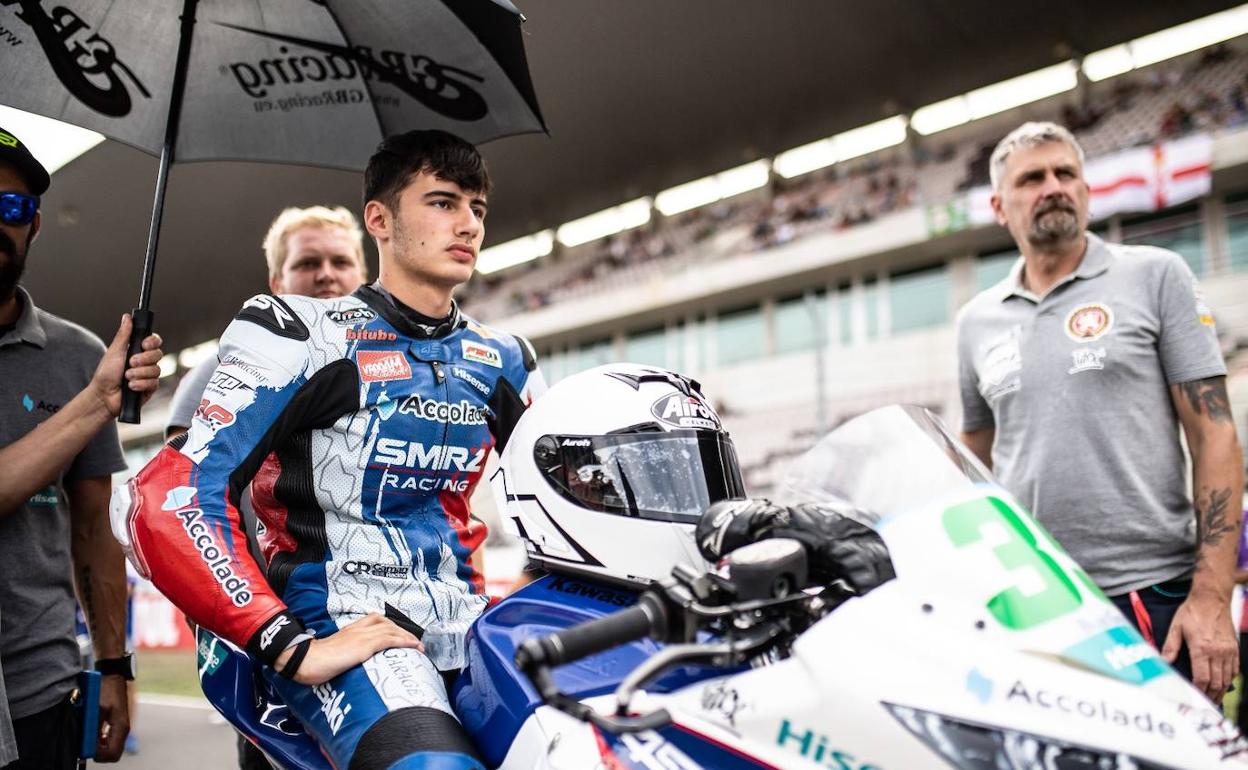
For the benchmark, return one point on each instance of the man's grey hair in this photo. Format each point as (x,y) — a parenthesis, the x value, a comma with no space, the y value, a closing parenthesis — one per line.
(1030,134)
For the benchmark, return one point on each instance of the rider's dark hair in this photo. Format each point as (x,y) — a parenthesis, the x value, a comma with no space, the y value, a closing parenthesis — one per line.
(398,158)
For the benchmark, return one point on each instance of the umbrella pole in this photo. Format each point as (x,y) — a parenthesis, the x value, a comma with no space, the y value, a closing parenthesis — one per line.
(141,315)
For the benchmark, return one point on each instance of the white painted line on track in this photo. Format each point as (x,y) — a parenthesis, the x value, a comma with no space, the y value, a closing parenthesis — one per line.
(175,701)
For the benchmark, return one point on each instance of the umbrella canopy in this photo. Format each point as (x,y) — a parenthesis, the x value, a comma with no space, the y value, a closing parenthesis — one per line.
(317,82)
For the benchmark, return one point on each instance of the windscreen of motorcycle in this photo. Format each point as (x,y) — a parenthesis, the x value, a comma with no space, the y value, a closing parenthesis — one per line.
(884,462)
(664,476)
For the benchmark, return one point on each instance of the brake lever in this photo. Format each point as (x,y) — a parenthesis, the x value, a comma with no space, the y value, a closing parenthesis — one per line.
(720,654)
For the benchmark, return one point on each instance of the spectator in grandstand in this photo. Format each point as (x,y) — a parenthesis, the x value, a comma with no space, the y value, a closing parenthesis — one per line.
(1073,370)
(314,252)
(62,390)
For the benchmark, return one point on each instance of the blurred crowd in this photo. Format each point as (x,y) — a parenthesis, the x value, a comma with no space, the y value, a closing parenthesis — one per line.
(1177,98)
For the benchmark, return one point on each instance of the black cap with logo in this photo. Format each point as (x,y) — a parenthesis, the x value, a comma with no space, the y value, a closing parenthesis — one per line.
(12,151)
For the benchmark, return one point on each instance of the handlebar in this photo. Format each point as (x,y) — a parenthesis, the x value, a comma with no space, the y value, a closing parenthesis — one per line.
(648,617)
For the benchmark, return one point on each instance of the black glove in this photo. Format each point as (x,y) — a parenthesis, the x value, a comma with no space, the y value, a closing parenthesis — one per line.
(839,547)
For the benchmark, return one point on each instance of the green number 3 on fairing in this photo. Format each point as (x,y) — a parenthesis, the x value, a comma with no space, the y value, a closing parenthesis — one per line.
(1015,609)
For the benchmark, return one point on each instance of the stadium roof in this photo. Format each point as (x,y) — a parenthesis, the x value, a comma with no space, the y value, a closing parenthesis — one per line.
(639,96)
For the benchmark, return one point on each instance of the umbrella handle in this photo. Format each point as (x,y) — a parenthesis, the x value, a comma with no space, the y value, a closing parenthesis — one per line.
(131,401)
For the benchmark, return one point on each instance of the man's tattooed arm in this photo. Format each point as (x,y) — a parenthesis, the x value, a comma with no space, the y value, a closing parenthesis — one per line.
(1212,522)
(1208,398)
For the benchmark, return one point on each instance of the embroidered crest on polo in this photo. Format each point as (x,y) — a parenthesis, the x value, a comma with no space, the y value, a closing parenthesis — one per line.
(1089,322)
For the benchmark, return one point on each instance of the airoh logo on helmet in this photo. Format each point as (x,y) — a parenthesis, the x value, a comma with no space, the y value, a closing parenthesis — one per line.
(685,411)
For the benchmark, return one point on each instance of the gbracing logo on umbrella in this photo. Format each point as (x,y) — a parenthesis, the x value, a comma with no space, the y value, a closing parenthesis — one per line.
(442,88)
(84,62)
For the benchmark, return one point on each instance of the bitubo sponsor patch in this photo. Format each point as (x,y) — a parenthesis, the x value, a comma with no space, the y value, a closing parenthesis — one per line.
(468,377)
(370,335)
(217,560)
(383,365)
(482,354)
(350,316)
(275,315)
(1089,708)
(685,412)
(462,413)
(1089,322)
(393,571)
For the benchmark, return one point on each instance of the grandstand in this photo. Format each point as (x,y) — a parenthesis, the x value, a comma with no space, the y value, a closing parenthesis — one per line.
(814,298)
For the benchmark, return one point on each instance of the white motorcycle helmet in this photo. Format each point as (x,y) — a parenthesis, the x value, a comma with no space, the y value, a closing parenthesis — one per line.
(607,474)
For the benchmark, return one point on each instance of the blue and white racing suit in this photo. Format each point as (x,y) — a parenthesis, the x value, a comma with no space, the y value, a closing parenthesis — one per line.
(362,428)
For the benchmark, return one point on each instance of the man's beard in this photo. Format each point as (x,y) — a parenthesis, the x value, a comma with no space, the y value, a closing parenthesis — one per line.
(1056,221)
(12,265)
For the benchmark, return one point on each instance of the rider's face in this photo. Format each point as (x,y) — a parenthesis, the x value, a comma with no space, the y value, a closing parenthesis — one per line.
(437,231)
(320,262)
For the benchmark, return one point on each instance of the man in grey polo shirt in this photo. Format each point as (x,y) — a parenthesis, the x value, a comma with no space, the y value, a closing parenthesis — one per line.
(1076,372)
(58,449)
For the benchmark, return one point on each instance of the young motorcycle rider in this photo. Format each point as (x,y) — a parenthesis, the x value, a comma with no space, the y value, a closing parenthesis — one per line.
(362,424)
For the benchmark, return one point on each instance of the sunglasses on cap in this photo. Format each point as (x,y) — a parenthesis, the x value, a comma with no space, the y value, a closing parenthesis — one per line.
(18,209)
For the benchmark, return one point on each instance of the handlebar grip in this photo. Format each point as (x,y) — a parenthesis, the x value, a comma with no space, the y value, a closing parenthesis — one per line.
(647,617)
(131,400)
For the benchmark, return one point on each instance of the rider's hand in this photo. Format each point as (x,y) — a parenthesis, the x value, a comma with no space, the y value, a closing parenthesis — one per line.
(330,656)
(838,546)
(142,375)
(114,719)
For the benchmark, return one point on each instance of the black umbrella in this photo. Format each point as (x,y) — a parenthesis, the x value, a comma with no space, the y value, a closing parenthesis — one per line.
(314,82)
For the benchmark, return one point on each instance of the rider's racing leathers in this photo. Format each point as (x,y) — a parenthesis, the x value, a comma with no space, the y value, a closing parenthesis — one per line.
(362,428)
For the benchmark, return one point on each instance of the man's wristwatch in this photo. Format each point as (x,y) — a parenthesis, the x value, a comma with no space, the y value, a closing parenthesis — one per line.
(123,667)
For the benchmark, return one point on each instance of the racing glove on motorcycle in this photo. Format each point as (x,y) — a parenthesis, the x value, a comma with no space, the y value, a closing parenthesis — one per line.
(838,547)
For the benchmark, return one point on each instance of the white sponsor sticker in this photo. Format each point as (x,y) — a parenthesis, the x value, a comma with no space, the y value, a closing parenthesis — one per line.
(482,354)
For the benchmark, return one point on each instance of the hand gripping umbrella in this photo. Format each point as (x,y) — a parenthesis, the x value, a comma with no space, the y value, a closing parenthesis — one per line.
(314,82)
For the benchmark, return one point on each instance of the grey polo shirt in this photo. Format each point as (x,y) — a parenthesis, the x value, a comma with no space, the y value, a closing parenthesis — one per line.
(1076,384)
(44,362)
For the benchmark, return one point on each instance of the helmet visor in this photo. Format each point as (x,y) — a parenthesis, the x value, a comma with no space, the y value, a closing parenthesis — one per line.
(664,476)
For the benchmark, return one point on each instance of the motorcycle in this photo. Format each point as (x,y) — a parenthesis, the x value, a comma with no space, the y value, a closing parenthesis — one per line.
(990,650)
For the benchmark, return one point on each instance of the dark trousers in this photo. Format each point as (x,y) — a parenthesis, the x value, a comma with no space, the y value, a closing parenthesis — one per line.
(47,740)
(1160,602)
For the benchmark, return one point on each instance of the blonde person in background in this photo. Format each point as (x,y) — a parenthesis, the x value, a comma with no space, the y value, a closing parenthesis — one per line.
(314,252)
